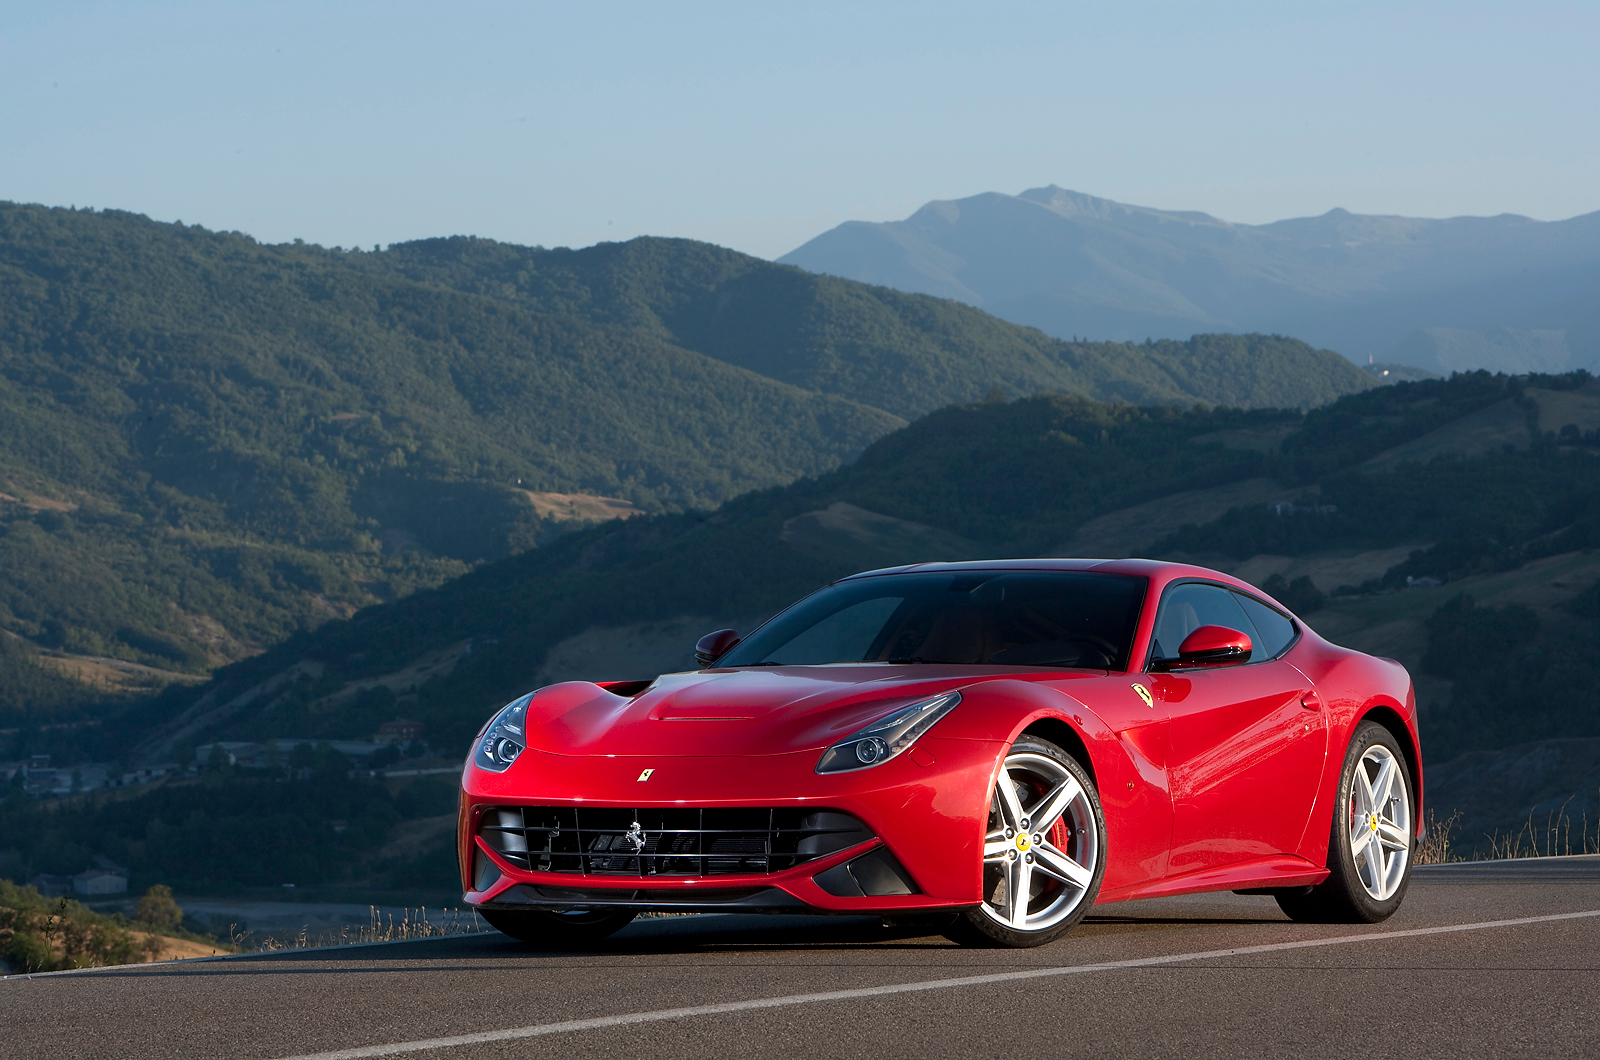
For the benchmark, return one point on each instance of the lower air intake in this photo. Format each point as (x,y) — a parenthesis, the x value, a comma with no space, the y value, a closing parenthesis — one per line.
(666,842)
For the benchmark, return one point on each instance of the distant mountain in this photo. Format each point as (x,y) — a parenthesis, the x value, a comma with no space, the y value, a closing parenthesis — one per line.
(207,444)
(1504,293)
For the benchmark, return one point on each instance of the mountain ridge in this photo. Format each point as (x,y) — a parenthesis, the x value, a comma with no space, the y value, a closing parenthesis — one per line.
(1075,264)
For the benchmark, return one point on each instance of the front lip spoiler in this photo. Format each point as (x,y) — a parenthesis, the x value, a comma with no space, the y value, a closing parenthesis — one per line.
(742,900)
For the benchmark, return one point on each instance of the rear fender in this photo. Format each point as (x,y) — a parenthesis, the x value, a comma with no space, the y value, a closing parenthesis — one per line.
(1347,692)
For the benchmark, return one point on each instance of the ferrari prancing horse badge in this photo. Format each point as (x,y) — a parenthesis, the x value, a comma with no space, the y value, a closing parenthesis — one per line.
(1144,694)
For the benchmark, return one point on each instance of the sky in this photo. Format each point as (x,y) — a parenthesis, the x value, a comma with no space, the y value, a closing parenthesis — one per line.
(760,126)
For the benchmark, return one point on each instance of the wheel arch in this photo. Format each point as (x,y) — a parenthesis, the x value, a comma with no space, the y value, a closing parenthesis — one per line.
(1060,732)
(1391,719)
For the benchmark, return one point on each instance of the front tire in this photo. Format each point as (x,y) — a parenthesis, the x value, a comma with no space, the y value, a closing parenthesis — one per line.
(557,931)
(1043,851)
(1369,850)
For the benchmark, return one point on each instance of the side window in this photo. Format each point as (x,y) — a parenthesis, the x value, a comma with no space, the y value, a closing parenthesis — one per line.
(1277,632)
(1186,608)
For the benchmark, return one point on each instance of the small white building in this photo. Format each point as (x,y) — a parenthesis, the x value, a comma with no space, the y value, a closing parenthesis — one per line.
(100,881)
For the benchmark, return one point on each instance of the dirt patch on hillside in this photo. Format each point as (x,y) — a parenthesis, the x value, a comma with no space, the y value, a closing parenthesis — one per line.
(1557,408)
(583,507)
(1327,570)
(114,675)
(172,949)
(36,502)
(436,663)
(1485,431)
(843,527)
(1130,531)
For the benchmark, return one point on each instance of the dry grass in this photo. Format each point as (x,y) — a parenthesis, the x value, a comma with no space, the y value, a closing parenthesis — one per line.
(413,924)
(1553,839)
(1435,846)
(1557,836)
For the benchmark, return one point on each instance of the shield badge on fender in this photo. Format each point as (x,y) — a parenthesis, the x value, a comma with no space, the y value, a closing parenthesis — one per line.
(1144,694)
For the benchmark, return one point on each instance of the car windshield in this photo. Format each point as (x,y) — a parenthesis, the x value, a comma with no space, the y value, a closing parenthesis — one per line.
(1003,618)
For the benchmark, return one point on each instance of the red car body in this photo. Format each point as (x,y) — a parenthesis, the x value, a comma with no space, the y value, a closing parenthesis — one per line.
(1224,780)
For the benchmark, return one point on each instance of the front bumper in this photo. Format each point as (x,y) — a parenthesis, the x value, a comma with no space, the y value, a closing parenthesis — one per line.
(927,808)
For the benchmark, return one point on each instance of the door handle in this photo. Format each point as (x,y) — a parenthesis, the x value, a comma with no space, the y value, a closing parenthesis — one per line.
(1311,701)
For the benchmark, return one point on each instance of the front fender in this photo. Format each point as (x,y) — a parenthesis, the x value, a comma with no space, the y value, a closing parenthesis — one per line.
(1124,755)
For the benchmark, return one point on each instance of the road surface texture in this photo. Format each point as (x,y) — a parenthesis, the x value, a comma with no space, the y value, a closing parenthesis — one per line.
(1488,959)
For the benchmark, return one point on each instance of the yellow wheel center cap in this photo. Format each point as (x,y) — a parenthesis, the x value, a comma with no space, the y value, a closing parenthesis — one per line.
(1023,842)
(1372,821)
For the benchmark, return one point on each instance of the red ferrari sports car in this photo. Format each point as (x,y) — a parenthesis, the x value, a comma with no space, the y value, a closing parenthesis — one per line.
(997,744)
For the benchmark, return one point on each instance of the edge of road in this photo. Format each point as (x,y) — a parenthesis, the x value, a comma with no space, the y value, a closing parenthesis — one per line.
(286,951)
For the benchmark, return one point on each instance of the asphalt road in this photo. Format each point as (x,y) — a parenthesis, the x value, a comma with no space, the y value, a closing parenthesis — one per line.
(1489,959)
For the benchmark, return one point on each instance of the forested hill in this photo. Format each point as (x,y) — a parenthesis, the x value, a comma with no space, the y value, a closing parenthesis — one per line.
(207,443)
(1478,467)
(906,354)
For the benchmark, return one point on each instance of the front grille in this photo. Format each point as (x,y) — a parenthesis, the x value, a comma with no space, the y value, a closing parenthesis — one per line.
(666,842)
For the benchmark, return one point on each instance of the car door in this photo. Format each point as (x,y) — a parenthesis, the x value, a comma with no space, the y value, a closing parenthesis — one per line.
(1244,750)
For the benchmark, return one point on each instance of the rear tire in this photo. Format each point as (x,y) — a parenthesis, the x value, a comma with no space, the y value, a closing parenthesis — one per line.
(1046,840)
(1370,846)
(557,931)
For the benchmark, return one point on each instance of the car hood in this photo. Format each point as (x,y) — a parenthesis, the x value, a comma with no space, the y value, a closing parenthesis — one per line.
(767,710)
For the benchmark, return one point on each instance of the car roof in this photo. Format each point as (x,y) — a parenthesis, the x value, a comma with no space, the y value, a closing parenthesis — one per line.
(1159,572)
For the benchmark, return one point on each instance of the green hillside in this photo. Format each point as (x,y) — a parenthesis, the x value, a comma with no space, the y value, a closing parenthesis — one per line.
(907,354)
(989,479)
(208,444)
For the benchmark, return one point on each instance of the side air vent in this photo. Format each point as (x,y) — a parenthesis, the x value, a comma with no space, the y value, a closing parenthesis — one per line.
(873,875)
(666,842)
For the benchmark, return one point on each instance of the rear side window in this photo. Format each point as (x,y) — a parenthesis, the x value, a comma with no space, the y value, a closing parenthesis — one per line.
(1276,631)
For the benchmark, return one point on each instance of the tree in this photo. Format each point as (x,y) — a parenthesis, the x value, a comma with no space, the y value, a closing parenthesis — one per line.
(158,911)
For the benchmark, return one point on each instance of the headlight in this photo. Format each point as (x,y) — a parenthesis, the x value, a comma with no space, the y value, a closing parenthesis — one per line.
(883,740)
(504,738)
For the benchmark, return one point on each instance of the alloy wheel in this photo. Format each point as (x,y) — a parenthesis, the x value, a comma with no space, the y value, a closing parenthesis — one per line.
(1042,846)
(1380,822)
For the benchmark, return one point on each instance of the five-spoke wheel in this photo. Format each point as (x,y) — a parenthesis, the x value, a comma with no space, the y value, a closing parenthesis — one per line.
(1369,850)
(1380,822)
(1043,854)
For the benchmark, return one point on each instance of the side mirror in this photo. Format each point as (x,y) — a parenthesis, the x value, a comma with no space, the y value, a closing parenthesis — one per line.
(1212,646)
(713,646)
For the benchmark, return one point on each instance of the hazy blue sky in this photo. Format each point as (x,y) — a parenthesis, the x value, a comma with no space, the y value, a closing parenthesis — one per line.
(759,126)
